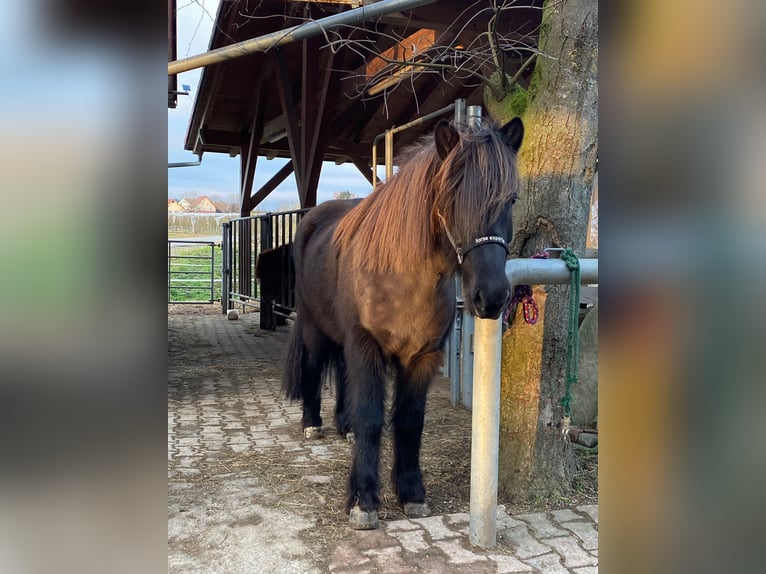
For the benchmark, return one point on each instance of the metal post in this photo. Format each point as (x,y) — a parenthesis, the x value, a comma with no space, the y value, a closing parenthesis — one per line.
(389,155)
(473,116)
(485,417)
(466,358)
(459,111)
(458,355)
(225,267)
(375,161)
(266,242)
(485,425)
(212,272)
(452,361)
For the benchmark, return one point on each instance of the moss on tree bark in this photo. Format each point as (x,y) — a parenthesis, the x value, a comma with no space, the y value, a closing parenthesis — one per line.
(558,162)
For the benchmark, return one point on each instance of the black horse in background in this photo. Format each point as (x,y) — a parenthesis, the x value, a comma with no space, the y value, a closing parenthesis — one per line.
(275,271)
(375,289)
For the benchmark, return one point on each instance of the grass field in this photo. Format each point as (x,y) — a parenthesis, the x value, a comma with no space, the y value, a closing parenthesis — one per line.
(190,271)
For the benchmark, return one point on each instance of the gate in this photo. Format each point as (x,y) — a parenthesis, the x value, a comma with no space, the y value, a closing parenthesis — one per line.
(191,271)
(244,240)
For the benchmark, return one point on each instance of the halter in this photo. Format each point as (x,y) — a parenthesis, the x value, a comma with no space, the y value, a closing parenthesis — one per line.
(477,242)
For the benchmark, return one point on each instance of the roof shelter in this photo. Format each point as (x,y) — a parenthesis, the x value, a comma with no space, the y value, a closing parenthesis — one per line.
(326,97)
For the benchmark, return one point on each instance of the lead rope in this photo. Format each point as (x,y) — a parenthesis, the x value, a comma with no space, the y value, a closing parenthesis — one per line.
(573,336)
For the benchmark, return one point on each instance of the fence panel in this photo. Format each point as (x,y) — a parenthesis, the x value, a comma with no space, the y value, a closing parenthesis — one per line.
(192,272)
(244,239)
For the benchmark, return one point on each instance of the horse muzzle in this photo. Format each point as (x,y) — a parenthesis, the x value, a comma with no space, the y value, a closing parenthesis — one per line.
(489,303)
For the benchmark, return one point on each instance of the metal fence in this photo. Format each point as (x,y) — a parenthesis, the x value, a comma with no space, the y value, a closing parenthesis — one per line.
(244,239)
(191,271)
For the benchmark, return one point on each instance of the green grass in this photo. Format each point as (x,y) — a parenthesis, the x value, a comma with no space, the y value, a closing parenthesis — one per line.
(195,272)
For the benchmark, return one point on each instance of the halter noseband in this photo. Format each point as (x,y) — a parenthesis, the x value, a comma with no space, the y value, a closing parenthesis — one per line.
(477,242)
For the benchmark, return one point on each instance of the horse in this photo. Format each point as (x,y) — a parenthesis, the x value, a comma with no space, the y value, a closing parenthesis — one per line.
(375,291)
(276,276)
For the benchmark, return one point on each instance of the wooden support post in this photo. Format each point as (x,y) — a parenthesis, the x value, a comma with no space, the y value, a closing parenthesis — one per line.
(310,89)
(321,130)
(289,111)
(249,151)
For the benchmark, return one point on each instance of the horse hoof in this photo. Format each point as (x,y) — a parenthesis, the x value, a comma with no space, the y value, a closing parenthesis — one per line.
(312,432)
(416,509)
(350,437)
(358,519)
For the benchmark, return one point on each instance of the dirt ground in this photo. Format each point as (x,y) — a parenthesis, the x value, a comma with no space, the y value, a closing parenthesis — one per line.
(445,452)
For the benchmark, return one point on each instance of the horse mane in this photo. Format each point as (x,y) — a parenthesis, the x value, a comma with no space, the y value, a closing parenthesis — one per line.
(397,227)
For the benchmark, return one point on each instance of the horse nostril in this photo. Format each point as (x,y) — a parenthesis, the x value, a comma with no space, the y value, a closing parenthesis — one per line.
(478,299)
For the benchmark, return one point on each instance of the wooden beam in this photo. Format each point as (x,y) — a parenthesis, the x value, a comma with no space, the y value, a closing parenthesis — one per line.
(289,112)
(363,167)
(210,84)
(321,130)
(249,155)
(248,159)
(337,149)
(222,138)
(310,90)
(270,185)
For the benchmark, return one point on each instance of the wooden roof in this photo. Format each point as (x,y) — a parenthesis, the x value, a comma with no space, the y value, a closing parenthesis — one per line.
(305,97)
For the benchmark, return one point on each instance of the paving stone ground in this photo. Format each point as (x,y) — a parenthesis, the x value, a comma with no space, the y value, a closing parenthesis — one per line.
(224,402)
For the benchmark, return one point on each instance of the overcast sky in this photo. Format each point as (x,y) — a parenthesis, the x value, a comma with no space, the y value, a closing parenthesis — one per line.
(219,174)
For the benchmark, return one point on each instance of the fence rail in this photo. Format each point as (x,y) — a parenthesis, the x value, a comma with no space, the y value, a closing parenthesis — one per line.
(192,271)
(244,240)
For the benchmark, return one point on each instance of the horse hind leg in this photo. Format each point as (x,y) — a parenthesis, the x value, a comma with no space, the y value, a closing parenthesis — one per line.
(307,357)
(407,420)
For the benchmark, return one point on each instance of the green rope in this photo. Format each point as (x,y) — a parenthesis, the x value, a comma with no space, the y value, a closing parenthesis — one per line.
(573,334)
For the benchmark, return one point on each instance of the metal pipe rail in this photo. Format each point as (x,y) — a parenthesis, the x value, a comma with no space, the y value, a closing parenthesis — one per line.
(293,34)
(485,422)
(389,135)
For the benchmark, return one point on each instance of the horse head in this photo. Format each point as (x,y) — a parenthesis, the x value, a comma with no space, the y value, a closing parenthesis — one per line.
(479,183)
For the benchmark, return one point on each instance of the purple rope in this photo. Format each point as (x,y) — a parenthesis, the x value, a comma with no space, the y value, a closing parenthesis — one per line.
(523,294)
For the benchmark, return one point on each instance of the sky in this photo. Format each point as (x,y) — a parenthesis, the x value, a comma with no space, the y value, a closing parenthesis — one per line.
(219,173)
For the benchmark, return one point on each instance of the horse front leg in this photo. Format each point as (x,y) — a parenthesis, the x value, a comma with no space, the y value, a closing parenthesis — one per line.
(412,385)
(365,393)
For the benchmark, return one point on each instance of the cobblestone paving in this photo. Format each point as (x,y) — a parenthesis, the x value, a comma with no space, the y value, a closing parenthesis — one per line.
(224,403)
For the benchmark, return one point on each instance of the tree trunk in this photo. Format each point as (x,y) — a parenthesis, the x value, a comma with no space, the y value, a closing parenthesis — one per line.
(558,162)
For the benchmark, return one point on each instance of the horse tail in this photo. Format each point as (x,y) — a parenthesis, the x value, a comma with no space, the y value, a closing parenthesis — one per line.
(294,363)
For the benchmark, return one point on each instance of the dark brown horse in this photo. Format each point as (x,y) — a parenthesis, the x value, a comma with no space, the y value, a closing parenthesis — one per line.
(375,288)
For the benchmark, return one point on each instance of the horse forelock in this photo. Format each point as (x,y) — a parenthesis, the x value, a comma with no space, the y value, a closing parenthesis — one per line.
(396,227)
(477,180)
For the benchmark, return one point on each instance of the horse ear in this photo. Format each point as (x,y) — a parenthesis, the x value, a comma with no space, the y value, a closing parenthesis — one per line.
(446,138)
(514,131)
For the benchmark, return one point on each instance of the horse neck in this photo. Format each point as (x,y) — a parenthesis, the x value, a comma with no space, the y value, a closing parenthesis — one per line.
(442,263)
